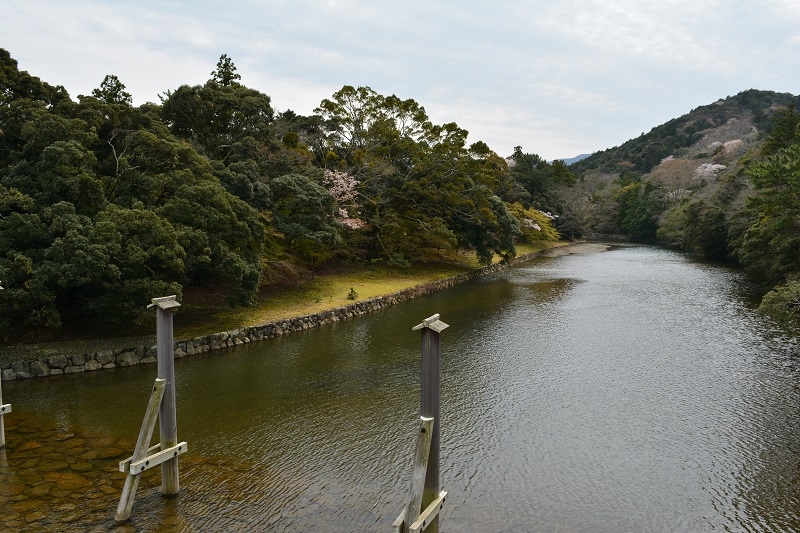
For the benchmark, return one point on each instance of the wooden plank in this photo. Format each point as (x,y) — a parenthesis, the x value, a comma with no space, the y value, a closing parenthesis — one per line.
(399,525)
(430,408)
(419,469)
(124,466)
(157,458)
(429,515)
(142,445)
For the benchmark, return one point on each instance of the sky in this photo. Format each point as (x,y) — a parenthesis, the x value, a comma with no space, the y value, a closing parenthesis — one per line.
(558,78)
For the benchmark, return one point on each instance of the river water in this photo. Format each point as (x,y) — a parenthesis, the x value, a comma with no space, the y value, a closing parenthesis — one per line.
(629,390)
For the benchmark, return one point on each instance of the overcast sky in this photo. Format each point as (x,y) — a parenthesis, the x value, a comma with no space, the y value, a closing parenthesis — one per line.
(557,77)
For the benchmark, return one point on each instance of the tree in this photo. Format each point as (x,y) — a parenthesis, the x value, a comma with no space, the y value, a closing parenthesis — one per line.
(225,73)
(770,248)
(538,178)
(785,133)
(219,119)
(112,91)
(638,208)
(304,212)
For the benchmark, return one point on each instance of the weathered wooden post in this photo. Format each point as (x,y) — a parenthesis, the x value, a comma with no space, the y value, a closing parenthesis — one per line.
(429,405)
(161,407)
(167,416)
(424,498)
(4,408)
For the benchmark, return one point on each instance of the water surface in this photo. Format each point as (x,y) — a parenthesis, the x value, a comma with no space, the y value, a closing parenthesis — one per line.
(630,390)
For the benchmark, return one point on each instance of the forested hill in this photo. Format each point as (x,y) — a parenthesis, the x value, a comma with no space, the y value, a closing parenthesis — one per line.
(678,136)
(722,182)
(104,205)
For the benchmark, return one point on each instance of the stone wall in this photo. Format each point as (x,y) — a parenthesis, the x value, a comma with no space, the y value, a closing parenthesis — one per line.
(135,355)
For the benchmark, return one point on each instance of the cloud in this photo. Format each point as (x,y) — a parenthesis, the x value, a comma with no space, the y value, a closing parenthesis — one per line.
(554,77)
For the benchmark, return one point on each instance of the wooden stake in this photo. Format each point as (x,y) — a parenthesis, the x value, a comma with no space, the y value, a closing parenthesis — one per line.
(429,407)
(167,416)
(3,410)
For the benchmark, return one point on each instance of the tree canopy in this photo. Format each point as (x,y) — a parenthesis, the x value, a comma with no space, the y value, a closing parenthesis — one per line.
(104,205)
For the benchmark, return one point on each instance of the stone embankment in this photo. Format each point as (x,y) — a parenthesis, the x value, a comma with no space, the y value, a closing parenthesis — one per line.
(143,354)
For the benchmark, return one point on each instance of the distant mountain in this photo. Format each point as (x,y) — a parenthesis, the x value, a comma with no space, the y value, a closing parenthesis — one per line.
(570,160)
(747,117)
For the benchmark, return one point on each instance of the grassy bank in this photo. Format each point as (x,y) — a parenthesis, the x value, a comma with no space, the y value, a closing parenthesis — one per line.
(204,311)
(203,314)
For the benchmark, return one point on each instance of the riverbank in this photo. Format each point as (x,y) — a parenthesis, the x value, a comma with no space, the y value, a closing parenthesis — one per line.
(67,358)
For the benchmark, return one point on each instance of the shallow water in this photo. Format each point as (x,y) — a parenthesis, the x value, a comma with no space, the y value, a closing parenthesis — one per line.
(631,390)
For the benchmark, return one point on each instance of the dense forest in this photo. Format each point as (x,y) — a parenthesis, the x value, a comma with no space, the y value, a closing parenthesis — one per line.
(722,182)
(104,205)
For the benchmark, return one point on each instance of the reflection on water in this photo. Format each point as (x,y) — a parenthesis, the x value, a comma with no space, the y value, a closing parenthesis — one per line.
(632,390)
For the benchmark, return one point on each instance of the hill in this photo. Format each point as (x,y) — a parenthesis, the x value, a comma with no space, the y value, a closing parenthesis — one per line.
(748,114)
(722,182)
(571,160)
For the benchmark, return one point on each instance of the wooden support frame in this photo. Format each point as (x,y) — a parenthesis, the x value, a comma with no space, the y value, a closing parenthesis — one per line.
(429,515)
(159,457)
(140,451)
(424,488)
(161,409)
(153,457)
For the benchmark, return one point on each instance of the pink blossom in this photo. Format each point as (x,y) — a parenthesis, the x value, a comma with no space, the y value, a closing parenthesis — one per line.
(343,187)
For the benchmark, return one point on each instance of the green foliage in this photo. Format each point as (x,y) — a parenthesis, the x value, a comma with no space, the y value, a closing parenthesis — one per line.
(421,190)
(785,133)
(638,207)
(698,227)
(770,248)
(104,205)
(219,118)
(535,225)
(101,209)
(782,304)
(112,91)
(303,211)
(225,73)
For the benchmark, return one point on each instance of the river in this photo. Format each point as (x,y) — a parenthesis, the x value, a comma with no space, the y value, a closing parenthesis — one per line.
(629,390)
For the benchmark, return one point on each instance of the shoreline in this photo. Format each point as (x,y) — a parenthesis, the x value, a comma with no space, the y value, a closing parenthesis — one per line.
(50,361)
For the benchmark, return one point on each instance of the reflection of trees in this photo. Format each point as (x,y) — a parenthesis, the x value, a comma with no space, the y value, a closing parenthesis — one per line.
(767,484)
(550,290)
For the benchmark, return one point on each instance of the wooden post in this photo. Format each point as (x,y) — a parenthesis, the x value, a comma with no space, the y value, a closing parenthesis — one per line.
(424,499)
(429,406)
(167,416)
(161,407)
(3,409)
